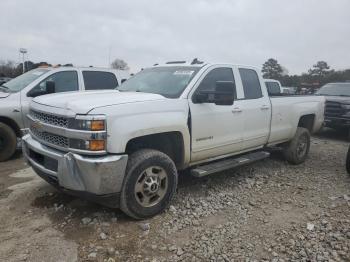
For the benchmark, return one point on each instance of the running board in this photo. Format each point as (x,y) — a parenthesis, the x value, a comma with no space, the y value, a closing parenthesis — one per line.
(222,165)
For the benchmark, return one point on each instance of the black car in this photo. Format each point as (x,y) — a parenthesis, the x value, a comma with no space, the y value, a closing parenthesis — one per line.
(337,111)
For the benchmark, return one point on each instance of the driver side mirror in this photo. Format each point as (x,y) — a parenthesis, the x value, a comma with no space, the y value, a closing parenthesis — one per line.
(222,95)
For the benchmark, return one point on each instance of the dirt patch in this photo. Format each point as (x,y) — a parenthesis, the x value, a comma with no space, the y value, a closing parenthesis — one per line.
(259,212)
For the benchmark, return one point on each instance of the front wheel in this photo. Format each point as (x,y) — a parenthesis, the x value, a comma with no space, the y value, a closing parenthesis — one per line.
(298,148)
(149,185)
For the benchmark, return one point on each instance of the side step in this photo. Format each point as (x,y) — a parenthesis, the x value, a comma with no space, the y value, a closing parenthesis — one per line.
(225,164)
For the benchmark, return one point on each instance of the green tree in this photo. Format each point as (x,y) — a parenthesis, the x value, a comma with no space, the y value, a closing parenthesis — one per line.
(119,64)
(320,70)
(272,69)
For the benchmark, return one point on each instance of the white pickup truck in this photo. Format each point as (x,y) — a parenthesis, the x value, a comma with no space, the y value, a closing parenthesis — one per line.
(16,94)
(124,148)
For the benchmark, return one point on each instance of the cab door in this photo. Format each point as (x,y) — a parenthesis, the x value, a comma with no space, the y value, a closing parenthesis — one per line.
(216,129)
(256,109)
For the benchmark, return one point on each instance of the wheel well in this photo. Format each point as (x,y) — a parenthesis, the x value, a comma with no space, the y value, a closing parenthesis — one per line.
(307,121)
(170,143)
(12,124)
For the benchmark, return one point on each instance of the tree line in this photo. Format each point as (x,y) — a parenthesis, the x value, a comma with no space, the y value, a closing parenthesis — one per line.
(318,75)
(11,69)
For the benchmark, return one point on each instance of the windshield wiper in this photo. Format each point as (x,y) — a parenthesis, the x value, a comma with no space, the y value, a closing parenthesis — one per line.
(343,95)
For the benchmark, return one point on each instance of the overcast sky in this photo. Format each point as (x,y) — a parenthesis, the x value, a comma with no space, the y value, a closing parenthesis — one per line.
(297,33)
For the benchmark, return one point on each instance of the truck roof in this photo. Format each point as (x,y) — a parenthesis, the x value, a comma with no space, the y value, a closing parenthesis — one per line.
(189,64)
(64,68)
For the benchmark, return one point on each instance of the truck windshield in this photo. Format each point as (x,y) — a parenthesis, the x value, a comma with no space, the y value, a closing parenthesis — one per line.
(167,81)
(20,82)
(335,89)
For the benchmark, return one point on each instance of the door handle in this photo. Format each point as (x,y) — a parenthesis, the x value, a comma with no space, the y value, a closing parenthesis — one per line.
(236,110)
(264,107)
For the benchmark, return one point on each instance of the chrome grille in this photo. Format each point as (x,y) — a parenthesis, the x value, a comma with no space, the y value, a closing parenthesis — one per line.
(50,119)
(333,109)
(56,140)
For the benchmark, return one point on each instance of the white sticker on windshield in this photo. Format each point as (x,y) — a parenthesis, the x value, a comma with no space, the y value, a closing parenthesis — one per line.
(38,73)
(183,72)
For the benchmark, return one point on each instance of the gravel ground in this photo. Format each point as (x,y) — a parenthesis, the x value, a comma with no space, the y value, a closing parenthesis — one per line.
(268,211)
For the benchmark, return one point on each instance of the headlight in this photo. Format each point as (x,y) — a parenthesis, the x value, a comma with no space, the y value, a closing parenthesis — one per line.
(95,140)
(90,145)
(89,123)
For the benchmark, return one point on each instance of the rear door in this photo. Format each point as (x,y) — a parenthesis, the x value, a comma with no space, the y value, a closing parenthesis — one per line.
(216,129)
(256,108)
(99,80)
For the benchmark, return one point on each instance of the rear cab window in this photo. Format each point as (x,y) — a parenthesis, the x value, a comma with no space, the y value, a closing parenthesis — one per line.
(98,80)
(251,83)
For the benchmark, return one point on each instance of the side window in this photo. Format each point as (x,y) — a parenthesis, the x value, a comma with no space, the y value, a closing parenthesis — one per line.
(217,74)
(95,80)
(64,81)
(251,83)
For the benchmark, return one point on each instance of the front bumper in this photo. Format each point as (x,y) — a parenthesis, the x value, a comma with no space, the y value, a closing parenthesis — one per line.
(88,176)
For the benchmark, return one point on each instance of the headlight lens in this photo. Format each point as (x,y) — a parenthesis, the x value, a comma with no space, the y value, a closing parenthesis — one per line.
(92,141)
(81,123)
(91,145)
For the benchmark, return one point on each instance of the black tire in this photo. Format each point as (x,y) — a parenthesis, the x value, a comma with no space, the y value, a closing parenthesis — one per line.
(348,161)
(296,151)
(8,142)
(137,164)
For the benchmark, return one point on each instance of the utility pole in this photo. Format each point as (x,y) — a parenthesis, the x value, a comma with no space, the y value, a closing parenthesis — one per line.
(23,51)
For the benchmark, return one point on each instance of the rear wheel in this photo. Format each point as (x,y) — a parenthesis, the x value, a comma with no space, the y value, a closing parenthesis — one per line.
(8,142)
(296,151)
(149,185)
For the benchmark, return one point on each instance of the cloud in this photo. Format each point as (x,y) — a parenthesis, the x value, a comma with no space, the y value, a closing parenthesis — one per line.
(297,33)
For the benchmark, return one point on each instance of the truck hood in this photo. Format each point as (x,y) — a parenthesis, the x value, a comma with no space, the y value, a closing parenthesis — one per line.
(341,99)
(83,102)
(3,94)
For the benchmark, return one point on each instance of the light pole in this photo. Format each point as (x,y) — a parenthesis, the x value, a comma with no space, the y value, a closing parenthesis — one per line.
(23,51)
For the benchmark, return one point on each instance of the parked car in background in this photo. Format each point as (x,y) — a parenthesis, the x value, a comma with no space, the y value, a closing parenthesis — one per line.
(289,90)
(124,148)
(3,80)
(16,94)
(337,111)
(273,86)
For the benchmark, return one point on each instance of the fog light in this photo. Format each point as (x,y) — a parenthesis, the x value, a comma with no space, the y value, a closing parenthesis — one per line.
(96,145)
